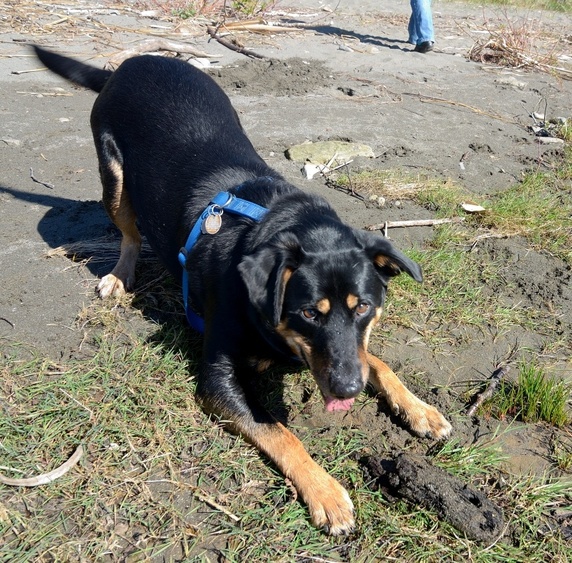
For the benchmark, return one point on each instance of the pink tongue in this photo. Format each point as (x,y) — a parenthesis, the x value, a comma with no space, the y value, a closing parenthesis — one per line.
(333,404)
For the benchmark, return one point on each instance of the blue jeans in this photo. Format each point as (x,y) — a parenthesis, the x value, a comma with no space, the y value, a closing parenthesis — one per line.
(421,22)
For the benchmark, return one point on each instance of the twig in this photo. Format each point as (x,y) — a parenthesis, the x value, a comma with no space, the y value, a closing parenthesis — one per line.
(7,321)
(45,478)
(46,184)
(433,99)
(29,70)
(213,32)
(413,223)
(213,504)
(494,382)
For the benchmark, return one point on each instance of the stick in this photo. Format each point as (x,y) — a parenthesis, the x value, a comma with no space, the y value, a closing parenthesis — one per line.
(494,382)
(213,504)
(413,223)
(45,478)
(51,186)
(213,32)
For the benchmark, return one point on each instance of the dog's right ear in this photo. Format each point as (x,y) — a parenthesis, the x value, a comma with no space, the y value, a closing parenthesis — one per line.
(266,273)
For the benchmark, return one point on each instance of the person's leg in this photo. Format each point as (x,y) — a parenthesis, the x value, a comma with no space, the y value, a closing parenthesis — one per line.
(421,24)
(412,27)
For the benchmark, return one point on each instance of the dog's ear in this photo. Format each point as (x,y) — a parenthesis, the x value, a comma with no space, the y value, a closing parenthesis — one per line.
(387,259)
(266,273)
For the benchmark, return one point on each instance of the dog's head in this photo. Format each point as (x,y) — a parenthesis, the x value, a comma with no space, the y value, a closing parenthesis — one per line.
(323,291)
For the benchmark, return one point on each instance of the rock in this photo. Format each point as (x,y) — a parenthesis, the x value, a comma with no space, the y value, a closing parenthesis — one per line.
(511,81)
(416,479)
(322,152)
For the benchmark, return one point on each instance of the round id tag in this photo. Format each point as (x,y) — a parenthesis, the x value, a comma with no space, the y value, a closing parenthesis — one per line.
(211,225)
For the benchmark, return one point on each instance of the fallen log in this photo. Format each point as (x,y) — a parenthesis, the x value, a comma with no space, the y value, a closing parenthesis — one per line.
(415,479)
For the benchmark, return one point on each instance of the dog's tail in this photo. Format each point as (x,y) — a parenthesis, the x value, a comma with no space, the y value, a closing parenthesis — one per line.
(85,75)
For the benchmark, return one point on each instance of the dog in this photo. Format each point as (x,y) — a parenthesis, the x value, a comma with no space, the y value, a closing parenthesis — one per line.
(283,278)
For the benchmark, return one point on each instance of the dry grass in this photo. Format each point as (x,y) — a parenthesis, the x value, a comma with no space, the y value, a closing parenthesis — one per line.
(520,43)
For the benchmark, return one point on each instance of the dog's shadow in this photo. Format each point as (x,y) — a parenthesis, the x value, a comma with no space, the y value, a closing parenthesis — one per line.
(82,232)
(69,224)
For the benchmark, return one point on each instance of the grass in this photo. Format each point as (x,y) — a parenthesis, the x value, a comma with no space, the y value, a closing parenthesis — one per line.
(188,9)
(538,208)
(458,284)
(161,479)
(552,5)
(535,396)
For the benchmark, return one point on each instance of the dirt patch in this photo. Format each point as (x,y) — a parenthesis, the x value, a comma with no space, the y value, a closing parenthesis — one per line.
(291,77)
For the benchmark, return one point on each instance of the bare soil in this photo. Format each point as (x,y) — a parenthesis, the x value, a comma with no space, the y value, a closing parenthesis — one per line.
(352,76)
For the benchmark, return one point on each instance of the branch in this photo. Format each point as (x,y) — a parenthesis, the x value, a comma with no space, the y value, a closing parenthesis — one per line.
(213,32)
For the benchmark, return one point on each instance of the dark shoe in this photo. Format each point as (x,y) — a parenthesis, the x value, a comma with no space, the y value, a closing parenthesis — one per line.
(424,47)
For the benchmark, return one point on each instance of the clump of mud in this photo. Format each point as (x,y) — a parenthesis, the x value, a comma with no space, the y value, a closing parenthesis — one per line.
(290,77)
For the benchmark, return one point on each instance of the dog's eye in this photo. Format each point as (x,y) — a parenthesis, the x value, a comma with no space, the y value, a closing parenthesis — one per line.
(362,309)
(310,313)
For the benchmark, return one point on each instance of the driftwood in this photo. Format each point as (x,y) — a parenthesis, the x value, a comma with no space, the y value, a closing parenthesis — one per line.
(413,478)
(45,478)
(152,45)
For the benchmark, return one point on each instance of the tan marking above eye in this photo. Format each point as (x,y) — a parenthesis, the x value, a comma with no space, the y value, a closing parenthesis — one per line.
(324,306)
(352,301)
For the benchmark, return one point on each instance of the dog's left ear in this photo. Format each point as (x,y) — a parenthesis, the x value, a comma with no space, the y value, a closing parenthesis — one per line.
(387,259)
(266,273)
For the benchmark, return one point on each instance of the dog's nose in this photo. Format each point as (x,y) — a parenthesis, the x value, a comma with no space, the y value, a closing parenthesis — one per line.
(346,388)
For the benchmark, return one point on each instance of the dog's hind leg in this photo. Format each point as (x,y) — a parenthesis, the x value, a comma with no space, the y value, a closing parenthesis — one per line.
(423,419)
(118,206)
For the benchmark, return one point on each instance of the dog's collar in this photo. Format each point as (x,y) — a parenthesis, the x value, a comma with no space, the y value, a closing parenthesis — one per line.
(210,222)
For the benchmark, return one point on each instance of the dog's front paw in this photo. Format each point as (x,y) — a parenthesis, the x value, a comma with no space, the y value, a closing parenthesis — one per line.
(426,421)
(330,506)
(111,286)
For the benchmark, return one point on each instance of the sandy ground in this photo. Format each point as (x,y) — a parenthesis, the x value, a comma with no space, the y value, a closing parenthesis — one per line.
(351,76)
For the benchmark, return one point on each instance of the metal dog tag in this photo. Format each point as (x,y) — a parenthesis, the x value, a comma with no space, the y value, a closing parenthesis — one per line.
(211,225)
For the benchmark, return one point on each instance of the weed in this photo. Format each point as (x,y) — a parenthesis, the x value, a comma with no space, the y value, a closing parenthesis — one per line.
(251,8)
(562,452)
(533,397)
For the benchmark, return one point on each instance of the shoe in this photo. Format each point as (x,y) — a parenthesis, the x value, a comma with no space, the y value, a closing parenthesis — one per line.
(424,47)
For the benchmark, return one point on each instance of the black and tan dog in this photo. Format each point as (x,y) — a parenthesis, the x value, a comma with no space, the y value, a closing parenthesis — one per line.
(271,270)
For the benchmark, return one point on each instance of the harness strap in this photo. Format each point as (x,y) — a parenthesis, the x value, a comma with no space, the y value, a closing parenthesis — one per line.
(223,201)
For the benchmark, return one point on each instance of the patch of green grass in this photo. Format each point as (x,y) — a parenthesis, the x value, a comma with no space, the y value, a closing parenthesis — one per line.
(535,396)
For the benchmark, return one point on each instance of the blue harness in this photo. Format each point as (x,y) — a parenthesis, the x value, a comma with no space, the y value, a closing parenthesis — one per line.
(210,223)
